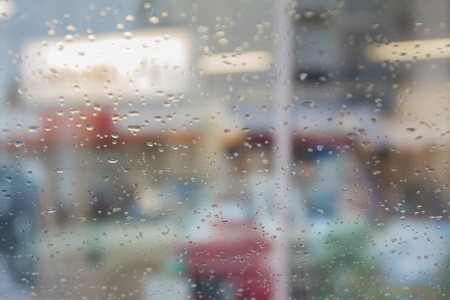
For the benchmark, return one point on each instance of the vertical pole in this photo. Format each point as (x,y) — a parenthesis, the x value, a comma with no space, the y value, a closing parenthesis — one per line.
(283,33)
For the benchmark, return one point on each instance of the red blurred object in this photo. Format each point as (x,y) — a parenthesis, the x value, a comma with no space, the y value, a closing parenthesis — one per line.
(74,125)
(232,262)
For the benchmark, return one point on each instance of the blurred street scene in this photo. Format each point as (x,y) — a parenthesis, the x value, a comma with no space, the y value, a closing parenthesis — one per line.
(224,149)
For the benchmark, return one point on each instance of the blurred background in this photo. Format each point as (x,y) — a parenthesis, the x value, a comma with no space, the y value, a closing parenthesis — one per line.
(212,149)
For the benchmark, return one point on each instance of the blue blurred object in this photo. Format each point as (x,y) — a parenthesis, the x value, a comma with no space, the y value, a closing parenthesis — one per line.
(18,220)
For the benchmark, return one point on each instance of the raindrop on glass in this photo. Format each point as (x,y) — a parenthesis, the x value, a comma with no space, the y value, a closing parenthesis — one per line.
(112,160)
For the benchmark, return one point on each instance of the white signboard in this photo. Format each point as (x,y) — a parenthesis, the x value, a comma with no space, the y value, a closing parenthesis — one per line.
(104,68)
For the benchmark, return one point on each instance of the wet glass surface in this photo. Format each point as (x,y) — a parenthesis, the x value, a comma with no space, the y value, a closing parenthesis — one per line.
(224,149)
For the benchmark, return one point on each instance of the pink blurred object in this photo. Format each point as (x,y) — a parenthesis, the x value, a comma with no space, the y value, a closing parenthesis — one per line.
(233,261)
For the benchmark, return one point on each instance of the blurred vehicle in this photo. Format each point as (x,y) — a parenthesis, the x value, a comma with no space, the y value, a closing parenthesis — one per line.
(229,253)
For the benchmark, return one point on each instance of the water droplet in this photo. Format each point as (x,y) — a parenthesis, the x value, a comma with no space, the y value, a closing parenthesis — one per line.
(376,172)
(129,18)
(245,129)
(150,144)
(133,113)
(33,128)
(69,38)
(154,20)
(223,41)
(365,143)
(308,103)
(51,210)
(59,170)
(115,117)
(350,200)
(227,131)
(60,46)
(215,205)
(112,160)
(114,135)
(321,211)
(128,35)
(410,129)
(303,76)
(18,144)
(117,209)
(71,28)
(265,161)
(351,135)
(319,147)
(134,128)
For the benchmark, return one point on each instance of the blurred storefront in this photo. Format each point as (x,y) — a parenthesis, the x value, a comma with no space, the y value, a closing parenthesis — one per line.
(149,130)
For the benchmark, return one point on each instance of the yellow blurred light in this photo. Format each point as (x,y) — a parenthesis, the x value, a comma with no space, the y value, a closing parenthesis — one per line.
(409,50)
(224,63)
(144,61)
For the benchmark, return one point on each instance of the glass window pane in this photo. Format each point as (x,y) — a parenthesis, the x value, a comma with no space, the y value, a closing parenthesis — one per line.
(212,149)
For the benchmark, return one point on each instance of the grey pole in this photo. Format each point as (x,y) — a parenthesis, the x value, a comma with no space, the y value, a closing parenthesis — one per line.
(284,36)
